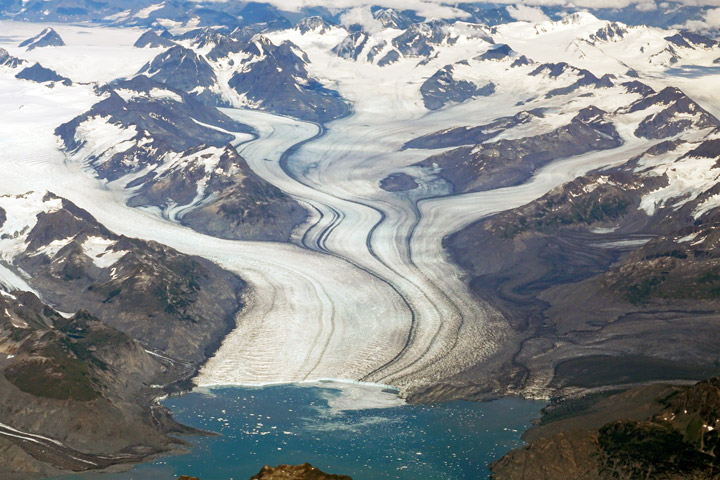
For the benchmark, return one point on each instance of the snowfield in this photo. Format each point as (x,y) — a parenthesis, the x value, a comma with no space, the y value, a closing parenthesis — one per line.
(366,293)
(91,53)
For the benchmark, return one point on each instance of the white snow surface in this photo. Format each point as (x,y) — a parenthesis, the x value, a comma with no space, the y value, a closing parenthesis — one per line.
(91,53)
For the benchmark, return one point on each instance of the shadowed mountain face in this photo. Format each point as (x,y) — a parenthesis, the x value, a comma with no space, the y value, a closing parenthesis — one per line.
(442,88)
(168,119)
(182,69)
(8,60)
(38,73)
(34,73)
(458,136)
(151,39)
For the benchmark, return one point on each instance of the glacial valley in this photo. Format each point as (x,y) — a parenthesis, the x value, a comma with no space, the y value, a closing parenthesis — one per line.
(454,209)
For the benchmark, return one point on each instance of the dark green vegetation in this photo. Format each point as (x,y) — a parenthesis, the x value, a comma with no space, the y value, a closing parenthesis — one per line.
(668,269)
(659,432)
(65,362)
(650,450)
(54,372)
(563,211)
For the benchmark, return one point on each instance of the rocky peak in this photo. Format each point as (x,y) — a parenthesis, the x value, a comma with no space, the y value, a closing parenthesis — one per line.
(292,90)
(246,33)
(259,44)
(391,18)
(636,86)
(419,38)
(667,96)
(678,113)
(8,60)
(204,37)
(151,39)
(351,46)
(701,399)
(692,40)
(150,119)
(38,73)
(313,24)
(442,88)
(612,32)
(47,38)
(578,18)
(497,52)
(183,69)
(553,70)
(590,115)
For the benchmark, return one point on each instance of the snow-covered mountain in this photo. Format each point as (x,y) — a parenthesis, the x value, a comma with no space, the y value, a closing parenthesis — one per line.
(173,153)
(218,69)
(231,15)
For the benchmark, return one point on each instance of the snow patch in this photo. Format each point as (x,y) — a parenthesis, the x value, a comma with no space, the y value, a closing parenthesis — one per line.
(156,93)
(52,248)
(98,249)
(101,138)
(21,216)
(145,12)
(687,179)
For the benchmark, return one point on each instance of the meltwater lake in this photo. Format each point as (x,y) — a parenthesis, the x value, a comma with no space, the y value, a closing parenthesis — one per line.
(359,430)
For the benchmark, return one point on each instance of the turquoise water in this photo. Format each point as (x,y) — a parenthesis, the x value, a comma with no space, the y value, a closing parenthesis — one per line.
(312,423)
